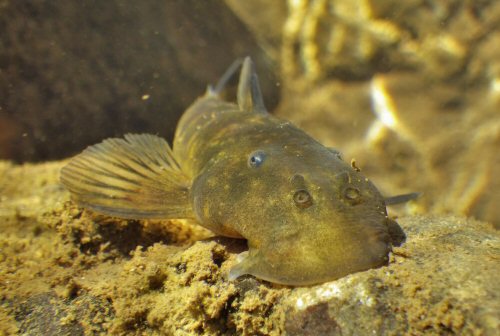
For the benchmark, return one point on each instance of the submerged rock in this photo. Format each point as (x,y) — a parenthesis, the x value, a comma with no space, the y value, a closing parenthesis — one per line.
(442,280)
(73,73)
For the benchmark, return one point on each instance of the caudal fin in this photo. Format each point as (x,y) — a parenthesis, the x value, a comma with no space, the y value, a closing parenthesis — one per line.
(136,178)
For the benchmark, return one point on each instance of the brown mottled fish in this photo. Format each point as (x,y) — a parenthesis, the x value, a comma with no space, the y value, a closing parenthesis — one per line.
(308,216)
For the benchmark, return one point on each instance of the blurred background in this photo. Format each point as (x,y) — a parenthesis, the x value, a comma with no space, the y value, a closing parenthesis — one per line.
(410,90)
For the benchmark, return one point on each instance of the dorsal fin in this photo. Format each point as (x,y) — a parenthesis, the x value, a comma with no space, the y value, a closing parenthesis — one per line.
(137,177)
(249,94)
(221,84)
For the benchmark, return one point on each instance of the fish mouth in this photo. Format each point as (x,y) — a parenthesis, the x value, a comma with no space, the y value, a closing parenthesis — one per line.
(382,236)
(376,243)
(396,233)
(377,253)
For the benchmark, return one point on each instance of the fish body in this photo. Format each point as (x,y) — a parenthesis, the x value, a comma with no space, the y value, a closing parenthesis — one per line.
(308,216)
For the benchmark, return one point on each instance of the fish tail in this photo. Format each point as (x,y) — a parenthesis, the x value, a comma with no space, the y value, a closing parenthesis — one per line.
(136,177)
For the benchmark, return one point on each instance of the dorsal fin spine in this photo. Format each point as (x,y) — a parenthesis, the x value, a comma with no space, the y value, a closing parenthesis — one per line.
(249,93)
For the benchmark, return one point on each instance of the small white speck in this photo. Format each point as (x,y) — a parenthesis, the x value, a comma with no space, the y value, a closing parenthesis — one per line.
(328,292)
(495,86)
(300,303)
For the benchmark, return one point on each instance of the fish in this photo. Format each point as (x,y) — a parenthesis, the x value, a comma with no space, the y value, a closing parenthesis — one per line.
(308,216)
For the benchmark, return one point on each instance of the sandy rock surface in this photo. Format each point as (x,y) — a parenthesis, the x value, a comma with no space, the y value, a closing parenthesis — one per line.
(67,271)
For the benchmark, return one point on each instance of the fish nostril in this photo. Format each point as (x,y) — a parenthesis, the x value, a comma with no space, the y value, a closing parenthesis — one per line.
(302,199)
(342,178)
(297,180)
(352,195)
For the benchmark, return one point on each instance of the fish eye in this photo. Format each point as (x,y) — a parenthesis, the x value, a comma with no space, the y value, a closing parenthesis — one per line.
(302,199)
(256,159)
(352,195)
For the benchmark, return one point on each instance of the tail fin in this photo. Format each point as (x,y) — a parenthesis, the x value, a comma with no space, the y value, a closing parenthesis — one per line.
(136,178)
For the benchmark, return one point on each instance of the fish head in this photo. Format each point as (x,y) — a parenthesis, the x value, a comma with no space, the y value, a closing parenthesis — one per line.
(308,216)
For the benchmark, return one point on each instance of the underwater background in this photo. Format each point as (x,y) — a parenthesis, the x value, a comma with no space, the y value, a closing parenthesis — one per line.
(409,89)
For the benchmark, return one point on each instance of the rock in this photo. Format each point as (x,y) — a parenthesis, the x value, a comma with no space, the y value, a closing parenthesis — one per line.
(44,314)
(443,280)
(48,314)
(58,262)
(73,73)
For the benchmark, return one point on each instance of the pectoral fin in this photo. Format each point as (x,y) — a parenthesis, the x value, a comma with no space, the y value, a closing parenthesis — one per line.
(398,199)
(136,177)
(244,264)
(252,262)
